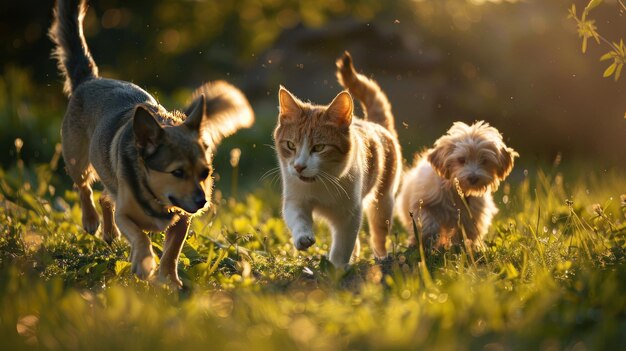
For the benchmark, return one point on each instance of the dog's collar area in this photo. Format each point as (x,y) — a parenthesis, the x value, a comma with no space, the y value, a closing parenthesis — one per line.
(146,198)
(149,210)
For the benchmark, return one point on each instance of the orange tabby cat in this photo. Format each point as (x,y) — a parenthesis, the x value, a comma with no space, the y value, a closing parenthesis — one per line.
(336,166)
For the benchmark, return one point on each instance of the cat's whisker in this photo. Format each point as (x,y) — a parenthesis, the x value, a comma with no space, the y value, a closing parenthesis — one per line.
(272,176)
(321,178)
(334,180)
(276,179)
(336,194)
(270,146)
(271,172)
(334,184)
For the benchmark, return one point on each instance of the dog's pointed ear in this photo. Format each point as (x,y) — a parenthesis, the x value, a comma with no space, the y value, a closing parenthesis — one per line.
(288,106)
(339,111)
(506,159)
(148,132)
(195,113)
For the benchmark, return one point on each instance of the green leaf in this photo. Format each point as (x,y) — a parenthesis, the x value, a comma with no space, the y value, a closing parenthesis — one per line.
(86,268)
(609,71)
(191,254)
(572,13)
(121,267)
(592,4)
(618,71)
(511,271)
(607,56)
(620,48)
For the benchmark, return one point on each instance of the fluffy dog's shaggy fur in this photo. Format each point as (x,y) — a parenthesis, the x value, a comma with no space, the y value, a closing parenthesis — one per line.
(449,188)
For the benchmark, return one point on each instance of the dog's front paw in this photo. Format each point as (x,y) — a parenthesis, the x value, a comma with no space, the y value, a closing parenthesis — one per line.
(170,278)
(304,241)
(91,222)
(143,264)
(110,234)
(144,268)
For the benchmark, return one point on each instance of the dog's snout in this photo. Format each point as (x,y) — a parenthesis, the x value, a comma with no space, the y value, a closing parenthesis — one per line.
(472,179)
(199,198)
(299,168)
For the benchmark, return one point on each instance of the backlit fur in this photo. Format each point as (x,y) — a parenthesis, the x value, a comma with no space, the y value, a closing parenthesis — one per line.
(356,170)
(155,164)
(462,170)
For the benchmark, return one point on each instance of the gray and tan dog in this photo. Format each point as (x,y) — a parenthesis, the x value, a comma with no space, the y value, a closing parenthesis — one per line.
(155,165)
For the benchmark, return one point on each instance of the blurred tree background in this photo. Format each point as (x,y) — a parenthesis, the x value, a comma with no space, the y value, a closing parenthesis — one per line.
(515,64)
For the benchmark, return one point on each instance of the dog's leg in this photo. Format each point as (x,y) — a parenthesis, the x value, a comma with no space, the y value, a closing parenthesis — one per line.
(174,240)
(356,252)
(344,229)
(469,227)
(81,172)
(379,217)
(429,230)
(91,222)
(109,229)
(141,254)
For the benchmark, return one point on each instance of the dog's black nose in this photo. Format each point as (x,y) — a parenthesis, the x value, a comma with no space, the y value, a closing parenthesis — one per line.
(472,179)
(199,199)
(200,203)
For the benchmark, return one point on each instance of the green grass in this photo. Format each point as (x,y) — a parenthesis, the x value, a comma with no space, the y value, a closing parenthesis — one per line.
(552,277)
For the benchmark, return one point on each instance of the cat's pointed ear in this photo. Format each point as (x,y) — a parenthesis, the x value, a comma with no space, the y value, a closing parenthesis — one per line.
(339,111)
(289,105)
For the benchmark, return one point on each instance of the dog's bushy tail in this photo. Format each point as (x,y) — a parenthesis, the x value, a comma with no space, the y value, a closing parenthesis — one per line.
(226,110)
(374,101)
(71,51)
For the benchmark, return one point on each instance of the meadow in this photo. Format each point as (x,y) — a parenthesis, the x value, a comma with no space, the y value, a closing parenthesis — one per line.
(552,276)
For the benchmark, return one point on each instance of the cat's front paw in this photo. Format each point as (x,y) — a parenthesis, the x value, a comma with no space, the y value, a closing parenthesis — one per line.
(303,242)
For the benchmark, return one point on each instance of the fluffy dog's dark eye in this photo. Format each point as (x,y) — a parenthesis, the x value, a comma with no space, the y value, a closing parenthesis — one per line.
(291,146)
(178,173)
(204,174)
(461,160)
(318,148)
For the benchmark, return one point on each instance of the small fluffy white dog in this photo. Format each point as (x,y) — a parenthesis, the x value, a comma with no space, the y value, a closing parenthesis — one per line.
(449,188)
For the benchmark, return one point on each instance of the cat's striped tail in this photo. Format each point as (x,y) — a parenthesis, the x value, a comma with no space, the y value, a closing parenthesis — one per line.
(374,101)
(71,51)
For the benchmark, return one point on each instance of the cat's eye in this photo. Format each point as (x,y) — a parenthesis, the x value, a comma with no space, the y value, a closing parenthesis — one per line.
(461,160)
(178,173)
(291,146)
(318,148)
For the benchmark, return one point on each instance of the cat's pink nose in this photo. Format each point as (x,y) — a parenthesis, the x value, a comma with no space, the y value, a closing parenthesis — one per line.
(299,168)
